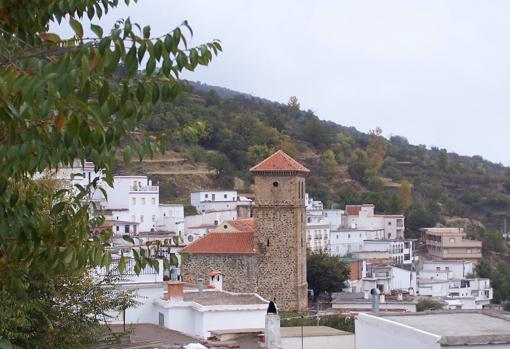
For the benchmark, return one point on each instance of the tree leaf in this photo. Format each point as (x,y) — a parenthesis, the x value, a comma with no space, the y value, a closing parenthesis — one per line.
(97,30)
(77,27)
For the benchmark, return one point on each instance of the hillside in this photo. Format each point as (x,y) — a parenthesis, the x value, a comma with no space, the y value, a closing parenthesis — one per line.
(347,166)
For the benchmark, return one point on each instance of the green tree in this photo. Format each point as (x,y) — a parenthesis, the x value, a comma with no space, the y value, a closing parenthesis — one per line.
(212,98)
(358,166)
(293,103)
(405,197)
(325,273)
(376,149)
(63,99)
(328,162)
(67,311)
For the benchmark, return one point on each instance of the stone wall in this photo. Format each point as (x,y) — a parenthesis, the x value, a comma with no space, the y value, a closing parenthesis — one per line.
(280,242)
(239,270)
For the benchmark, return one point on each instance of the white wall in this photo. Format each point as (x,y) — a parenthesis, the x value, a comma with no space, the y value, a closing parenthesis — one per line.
(193,319)
(375,332)
(345,242)
(334,217)
(324,342)
(459,270)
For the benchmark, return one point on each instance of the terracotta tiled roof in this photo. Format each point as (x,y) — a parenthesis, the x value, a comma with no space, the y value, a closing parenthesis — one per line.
(222,243)
(246,225)
(353,210)
(279,161)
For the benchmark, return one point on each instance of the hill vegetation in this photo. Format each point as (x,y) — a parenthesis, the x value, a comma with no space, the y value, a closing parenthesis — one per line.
(431,186)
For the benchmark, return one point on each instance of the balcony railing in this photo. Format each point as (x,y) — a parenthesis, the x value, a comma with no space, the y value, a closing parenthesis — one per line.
(154,188)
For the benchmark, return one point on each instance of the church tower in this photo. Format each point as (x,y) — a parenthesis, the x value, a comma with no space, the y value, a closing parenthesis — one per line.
(279,236)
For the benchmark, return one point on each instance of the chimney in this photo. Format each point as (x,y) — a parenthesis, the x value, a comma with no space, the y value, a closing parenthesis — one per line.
(200,286)
(273,339)
(216,280)
(375,299)
(175,291)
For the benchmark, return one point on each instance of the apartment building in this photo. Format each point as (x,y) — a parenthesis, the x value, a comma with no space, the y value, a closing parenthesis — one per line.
(451,244)
(363,217)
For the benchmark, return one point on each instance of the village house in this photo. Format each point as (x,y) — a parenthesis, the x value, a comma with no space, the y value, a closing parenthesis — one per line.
(363,217)
(451,244)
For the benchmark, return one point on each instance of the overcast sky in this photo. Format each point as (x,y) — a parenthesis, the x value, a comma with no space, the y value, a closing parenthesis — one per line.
(434,71)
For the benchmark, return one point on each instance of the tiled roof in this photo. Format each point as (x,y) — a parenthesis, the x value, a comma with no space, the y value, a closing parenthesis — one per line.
(246,225)
(222,243)
(279,161)
(353,210)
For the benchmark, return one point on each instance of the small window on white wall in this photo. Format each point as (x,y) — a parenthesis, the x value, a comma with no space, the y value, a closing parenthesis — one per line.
(153,217)
(153,201)
(143,201)
(141,218)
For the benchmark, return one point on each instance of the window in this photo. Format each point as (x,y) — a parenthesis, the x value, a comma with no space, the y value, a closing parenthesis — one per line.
(348,236)
(438,268)
(133,201)
(468,250)
(153,201)
(389,223)
(224,196)
(275,184)
(153,217)
(452,240)
(213,197)
(141,218)
(117,228)
(143,201)
(190,238)
(447,268)
(206,196)
(126,228)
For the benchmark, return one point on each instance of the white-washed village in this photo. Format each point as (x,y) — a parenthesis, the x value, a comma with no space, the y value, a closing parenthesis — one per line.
(220,268)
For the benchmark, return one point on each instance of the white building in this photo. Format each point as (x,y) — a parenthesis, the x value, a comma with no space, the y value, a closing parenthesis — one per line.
(317,231)
(453,282)
(401,251)
(363,217)
(344,242)
(474,329)
(387,279)
(458,293)
(445,270)
(198,310)
(134,199)
(221,200)
(334,217)
(319,223)
(197,226)
(171,218)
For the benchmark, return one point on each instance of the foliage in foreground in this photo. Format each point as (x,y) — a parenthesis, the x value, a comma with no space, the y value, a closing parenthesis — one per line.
(61,100)
(67,311)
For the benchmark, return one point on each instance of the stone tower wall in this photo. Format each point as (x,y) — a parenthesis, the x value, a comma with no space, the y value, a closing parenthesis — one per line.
(240,271)
(279,214)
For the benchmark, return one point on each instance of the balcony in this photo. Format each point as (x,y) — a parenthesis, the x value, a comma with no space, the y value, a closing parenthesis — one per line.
(145,188)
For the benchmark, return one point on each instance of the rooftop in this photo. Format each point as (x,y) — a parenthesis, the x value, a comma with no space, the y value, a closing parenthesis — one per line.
(312,331)
(247,224)
(279,161)
(222,243)
(460,327)
(222,298)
